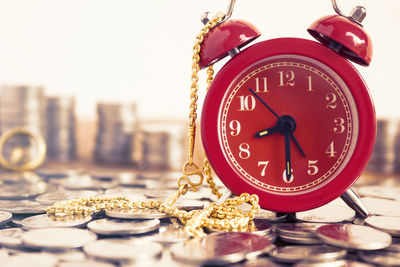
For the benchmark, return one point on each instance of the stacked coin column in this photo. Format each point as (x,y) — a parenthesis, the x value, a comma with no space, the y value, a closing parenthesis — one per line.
(61,135)
(23,106)
(159,146)
(385,157)
(117,124)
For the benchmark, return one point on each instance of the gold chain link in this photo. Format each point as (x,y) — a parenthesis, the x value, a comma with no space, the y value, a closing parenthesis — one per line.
(216,217)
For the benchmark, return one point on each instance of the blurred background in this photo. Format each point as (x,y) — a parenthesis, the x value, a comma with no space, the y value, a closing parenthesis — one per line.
(137,56)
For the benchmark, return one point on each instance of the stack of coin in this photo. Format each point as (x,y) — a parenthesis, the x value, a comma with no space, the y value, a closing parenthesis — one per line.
(386,153)
(117,124)
(61,139)
(23,106)
(159,146)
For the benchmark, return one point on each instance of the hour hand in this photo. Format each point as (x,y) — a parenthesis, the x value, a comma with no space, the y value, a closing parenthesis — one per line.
(266,132)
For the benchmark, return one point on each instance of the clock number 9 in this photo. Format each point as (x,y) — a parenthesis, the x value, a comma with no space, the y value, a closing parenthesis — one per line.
(235,127)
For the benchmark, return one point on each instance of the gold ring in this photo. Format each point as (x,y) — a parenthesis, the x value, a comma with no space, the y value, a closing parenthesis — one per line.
(29,165)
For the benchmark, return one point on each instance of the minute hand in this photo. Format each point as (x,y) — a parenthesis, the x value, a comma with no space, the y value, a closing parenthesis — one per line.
(265,104)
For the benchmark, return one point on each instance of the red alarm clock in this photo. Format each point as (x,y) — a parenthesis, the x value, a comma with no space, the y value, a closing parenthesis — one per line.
(289,119)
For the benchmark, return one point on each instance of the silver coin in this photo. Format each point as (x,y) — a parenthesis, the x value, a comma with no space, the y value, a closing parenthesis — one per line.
(61,195)
(188,204)
(44,221)
(123,227)
(74,254)
(85,263)
(41,259)
(354,236)
(385,258)
(300,240)
(18,191)
(329,213)
(262,227)
(5,217)
(137,213)
(379,191)
(388,224)
(11,237)
(3,256)
(133,194)
(213,249)
(82,182)
(395,246)
(22,206)
(298,229)
(263,214)
(123,250)
(338,263)
(169,234)
(380,206)
(259,262)
(57,238)
(160,193)
(311,252)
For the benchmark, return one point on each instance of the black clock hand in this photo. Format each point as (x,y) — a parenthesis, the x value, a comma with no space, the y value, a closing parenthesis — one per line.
(288,162)
(268,131)
(265,104)
(297,144)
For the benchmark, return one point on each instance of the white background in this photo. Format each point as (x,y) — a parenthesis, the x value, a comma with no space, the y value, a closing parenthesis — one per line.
(140,51)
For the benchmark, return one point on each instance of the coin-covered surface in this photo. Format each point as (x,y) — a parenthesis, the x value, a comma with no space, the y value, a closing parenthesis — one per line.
(163,240)
(354,236)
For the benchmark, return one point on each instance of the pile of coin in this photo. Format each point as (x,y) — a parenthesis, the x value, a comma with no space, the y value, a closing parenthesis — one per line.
(61,136)
(159,146)
(23,106)
(116,126)
(385,158)
(327,236)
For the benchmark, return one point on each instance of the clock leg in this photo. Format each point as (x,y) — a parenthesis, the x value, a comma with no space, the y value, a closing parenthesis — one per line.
(353,200)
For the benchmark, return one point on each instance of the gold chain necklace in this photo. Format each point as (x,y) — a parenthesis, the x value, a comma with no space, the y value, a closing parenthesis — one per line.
(221,217)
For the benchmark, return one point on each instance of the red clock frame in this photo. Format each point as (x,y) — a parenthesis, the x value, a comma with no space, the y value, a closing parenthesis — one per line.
(311,49)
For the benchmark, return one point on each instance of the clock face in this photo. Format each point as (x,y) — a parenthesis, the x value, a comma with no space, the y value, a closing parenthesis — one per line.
(312,106)
(290,120)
